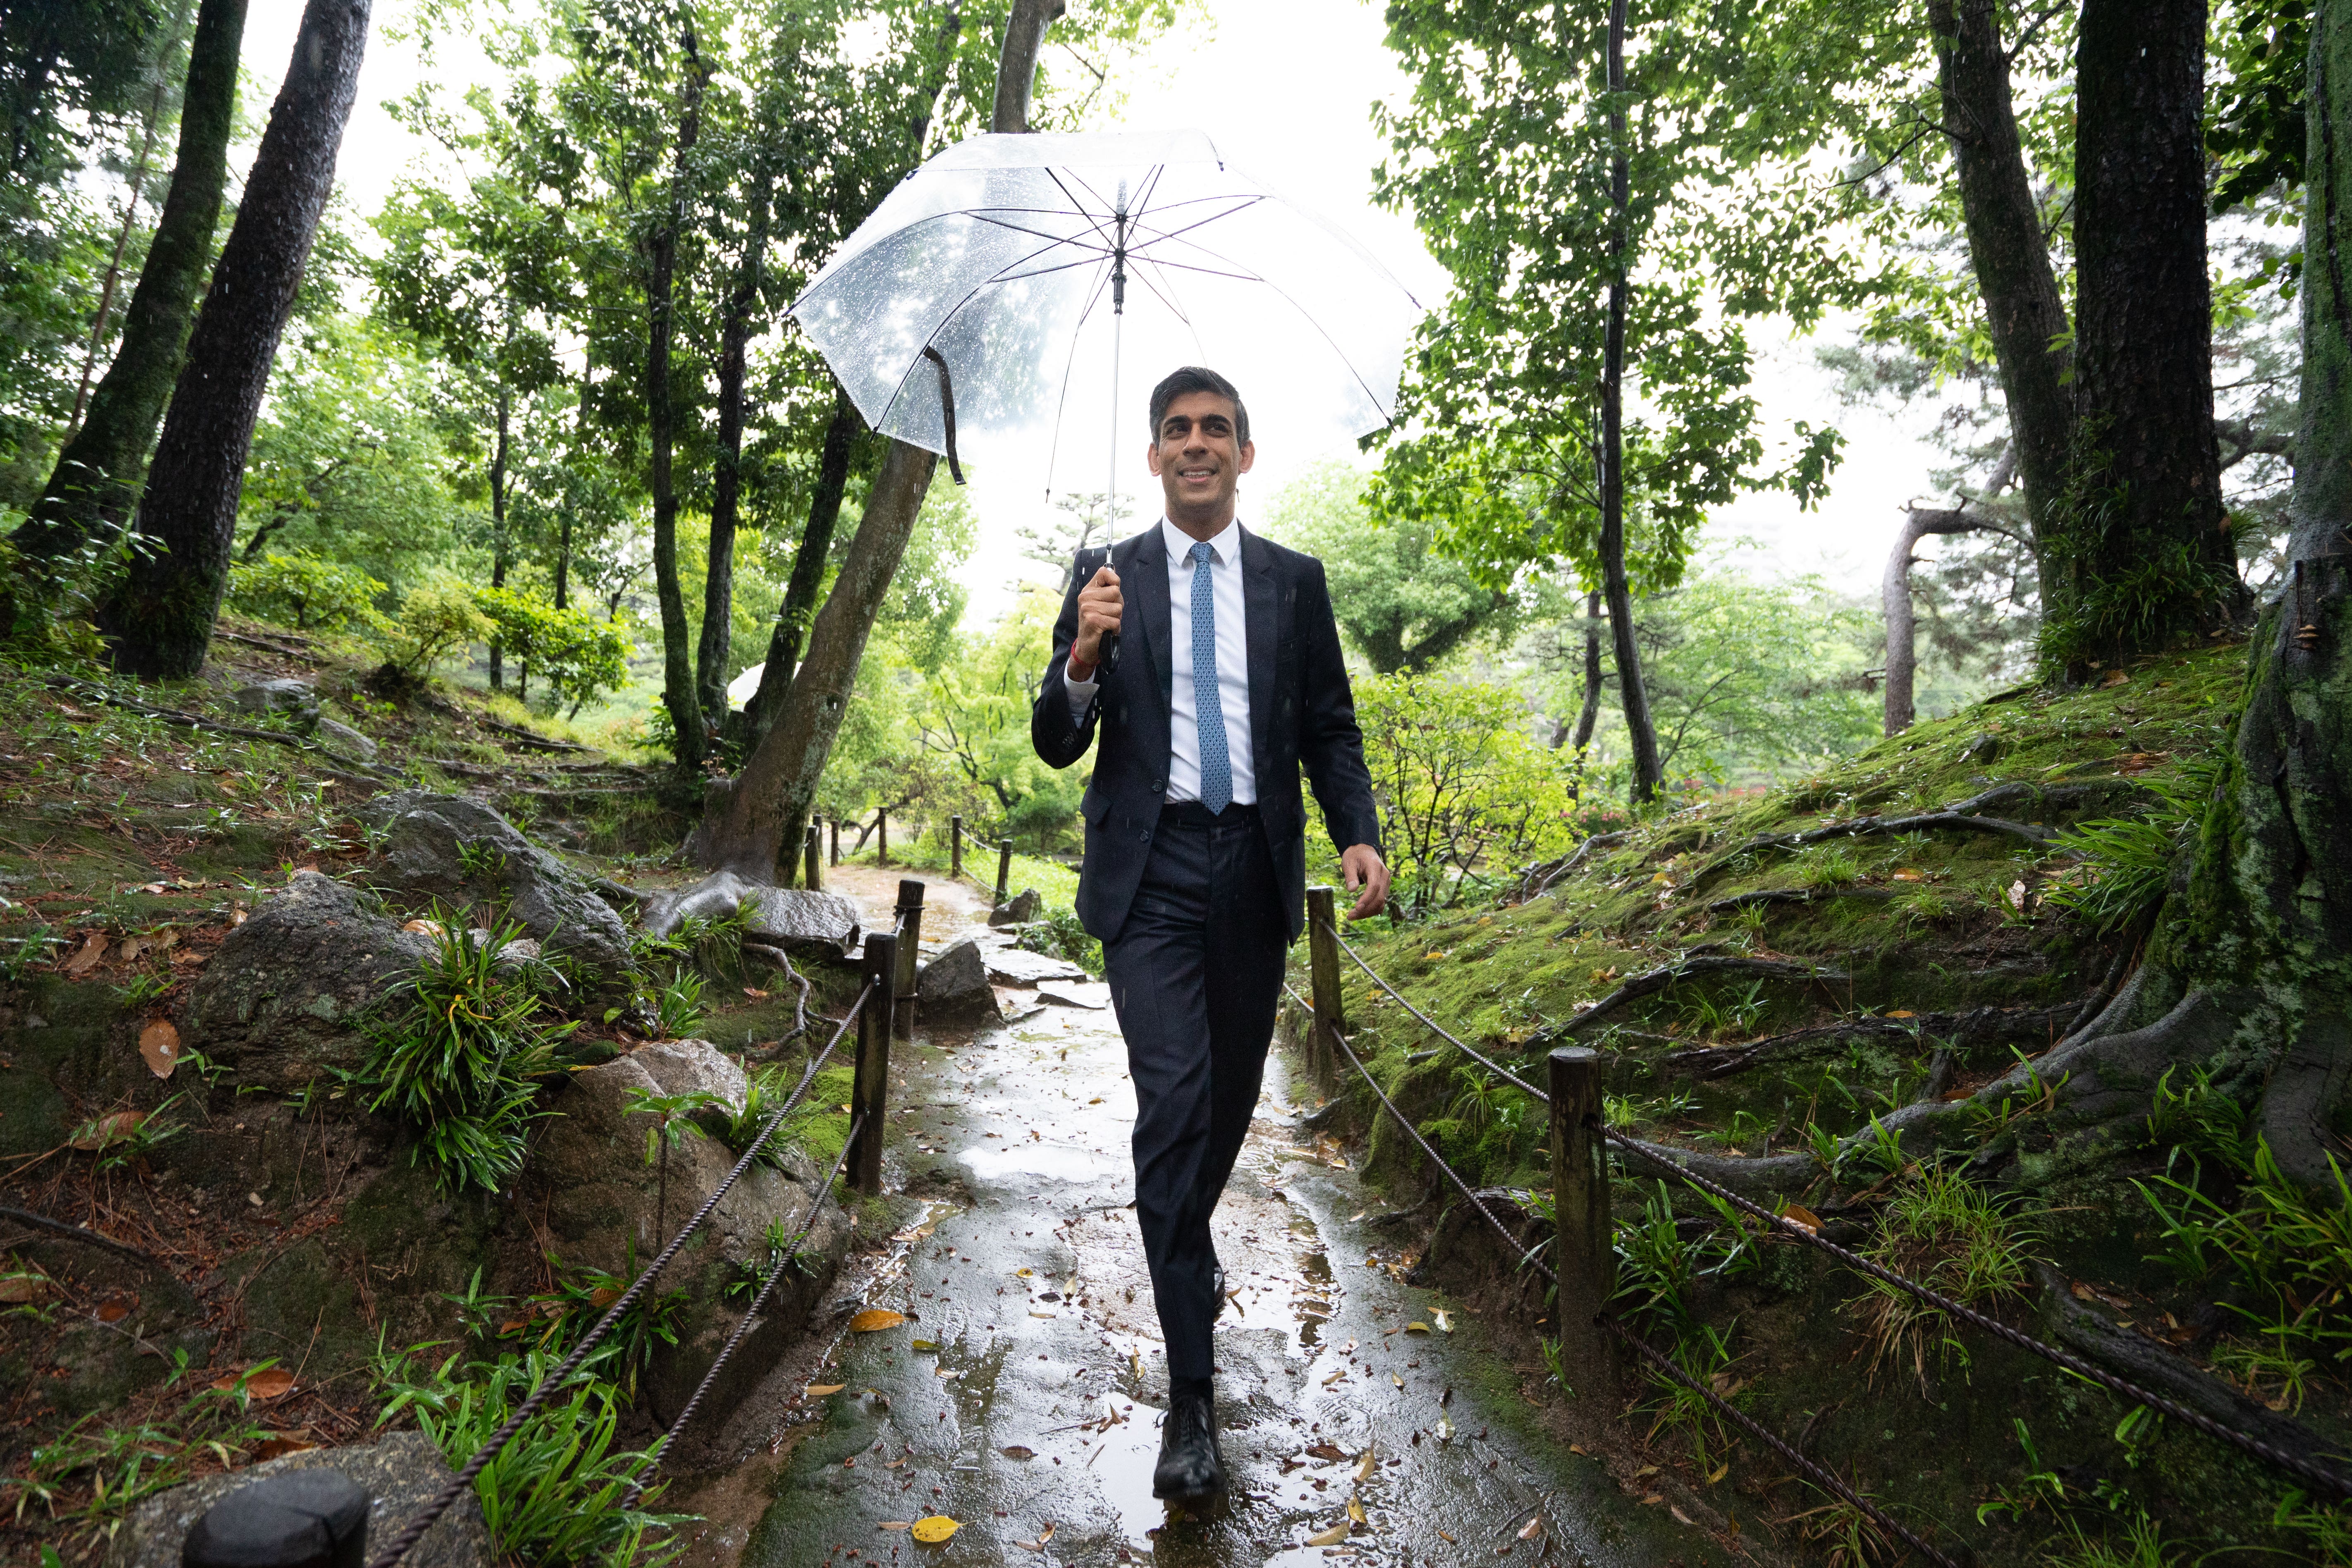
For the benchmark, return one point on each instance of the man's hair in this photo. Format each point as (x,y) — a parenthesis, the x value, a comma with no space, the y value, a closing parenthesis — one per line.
(1198,378)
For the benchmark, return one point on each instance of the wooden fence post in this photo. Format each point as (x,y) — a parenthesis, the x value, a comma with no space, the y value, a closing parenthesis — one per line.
(813,857)
(955,846)
(882,827)
(1003,873)
(1585,1258)
(833,826)
(911,934)
(1323,968)
(869,1090)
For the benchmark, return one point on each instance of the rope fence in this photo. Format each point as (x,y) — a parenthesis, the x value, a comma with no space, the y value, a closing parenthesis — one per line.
(1585,1260)
(884,985)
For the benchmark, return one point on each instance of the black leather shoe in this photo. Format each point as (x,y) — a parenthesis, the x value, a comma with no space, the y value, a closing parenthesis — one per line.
(1192,1464)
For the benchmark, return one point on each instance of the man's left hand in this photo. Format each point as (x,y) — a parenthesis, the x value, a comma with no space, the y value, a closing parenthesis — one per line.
(1365,870)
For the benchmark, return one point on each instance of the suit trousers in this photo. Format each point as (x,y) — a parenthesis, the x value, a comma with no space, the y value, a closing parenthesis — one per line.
(1194,973)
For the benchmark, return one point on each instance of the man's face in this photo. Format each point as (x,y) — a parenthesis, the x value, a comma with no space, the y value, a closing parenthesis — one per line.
(1197,457)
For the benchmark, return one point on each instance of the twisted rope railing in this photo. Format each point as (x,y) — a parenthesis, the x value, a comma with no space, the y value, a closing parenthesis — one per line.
(637,1488)
(401,1545)
(1821,1477)
(2311,1473)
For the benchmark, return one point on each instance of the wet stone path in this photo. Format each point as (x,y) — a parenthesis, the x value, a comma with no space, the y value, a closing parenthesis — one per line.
(1021,1396)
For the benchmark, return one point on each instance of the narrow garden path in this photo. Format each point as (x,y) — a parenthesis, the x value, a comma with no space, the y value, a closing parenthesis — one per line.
(1362,1419)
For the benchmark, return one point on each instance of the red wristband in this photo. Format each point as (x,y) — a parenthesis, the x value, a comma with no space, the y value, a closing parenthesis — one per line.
(1073,666)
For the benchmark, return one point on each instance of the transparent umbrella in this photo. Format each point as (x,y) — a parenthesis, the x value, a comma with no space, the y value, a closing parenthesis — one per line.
(1024,293)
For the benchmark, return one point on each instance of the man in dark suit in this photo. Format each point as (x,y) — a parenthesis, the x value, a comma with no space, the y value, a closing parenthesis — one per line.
(1230,682)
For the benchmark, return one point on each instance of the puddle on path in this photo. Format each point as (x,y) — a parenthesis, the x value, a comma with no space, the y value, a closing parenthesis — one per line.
(1023,1397)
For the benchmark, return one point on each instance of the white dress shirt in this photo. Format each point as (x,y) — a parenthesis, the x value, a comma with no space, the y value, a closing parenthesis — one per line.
(1225,567)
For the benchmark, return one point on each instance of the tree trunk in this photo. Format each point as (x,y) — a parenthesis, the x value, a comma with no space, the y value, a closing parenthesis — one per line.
(1016,65)
(498,523)
(1589,714)
(1895,599)
(139,173)
(749,825)
(1647,774)
(2249,967)
(2024,313)
(661,254)
(2148,555)
(96,482)
(808,568)
(727,482)
(159,623)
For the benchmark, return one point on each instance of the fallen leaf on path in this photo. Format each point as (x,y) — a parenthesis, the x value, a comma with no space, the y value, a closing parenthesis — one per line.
(275,1448)
(1803,1218)
(86,958)
(1364,1471)
(107,1129)
(1018,1451)
(1720,1471)
(819,1390)
(159,1047)
(15,1289)
(936,1528)
(1331,1536)
(1679,1515)
(1902,1013)
(1532,1528)
(1447,1539)
(895,1524)
(1356,1510)
(1397,1380)
(112,1312)
(875,1318)
(755,994)
(1645,1470)
(1330,1453)
(1416,1328)
(421,927)
(1023,1273)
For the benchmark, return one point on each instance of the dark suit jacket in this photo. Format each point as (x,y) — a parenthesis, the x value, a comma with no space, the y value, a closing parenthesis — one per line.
(1301,712)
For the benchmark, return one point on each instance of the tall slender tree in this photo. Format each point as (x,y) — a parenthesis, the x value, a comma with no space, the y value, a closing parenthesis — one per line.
(159,623)
(661,416)
(95,484)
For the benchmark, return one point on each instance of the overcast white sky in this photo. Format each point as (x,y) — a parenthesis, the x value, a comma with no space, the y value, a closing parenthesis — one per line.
(1285,89)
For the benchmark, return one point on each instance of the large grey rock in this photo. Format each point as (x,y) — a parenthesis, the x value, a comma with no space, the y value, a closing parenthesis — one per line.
(597,1202)
(1019,966)
(344,739)
(953,988)
(278,1004)
(448,846)
(400,1474)
(789,918)
(284,695)
(1020,911)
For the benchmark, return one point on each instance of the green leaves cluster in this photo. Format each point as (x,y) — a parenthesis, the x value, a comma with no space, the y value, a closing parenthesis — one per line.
(580,656)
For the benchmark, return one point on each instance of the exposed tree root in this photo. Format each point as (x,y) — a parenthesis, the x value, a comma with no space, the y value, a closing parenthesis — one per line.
(776,957)
(1659,979)
(1963,1032)
(349,769)
(1538,880)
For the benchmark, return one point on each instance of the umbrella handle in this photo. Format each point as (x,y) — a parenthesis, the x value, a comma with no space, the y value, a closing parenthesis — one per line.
(1088,562)
(947,410)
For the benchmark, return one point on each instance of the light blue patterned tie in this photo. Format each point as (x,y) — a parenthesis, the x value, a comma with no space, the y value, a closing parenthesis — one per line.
(1216,767)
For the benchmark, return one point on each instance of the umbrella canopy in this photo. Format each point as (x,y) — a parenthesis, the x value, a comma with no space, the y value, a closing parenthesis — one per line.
(1060,277)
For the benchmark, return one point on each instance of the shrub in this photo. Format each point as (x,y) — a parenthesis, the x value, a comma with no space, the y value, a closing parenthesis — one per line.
(306,593)
(434,621)
(578,655)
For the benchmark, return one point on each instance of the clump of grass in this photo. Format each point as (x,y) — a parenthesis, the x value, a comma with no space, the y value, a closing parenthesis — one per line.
(1835,867)
(460,1060)
(1953,1235)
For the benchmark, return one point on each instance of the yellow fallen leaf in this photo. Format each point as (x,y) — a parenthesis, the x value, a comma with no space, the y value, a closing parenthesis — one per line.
(874,1318)
(1803,1218)
(896,1524)
(1364,1471)
(1023,1273)
(1447,1539)
(1397,1380)
(1331,1536)
(1902,1013)
(934,1530)
(819,1390)
(1356,1510)
(1721,1470)
(1416,1328)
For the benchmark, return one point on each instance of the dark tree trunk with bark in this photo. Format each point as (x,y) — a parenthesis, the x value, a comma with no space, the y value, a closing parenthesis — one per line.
(726,481)
(1631,692)
(748,823)
(2147,554)
(1589,714)
(96,482)
(2024,312)
(159,623)
(808,567)
(661,287)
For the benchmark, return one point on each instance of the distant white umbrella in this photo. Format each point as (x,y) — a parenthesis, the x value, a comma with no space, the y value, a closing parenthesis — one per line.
(1050,282)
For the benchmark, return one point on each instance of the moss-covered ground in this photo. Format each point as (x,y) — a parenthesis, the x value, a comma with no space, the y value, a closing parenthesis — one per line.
(1810,969)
